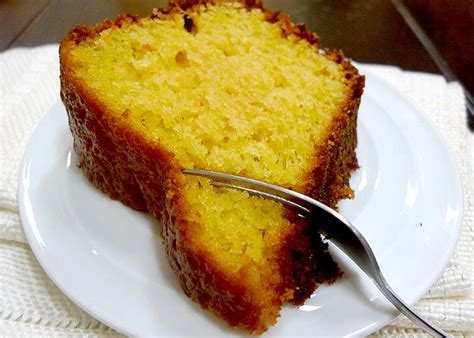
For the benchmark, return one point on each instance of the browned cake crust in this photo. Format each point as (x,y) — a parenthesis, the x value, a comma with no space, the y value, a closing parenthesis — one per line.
(146,177)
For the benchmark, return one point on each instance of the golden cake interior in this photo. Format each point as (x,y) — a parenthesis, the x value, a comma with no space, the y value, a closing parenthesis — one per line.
(231,94)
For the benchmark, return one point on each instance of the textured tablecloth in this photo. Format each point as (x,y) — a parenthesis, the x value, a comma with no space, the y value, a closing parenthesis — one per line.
(30,304)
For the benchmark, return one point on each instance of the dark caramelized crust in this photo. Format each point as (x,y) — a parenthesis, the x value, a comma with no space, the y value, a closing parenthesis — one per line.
(147,177)
(336,159)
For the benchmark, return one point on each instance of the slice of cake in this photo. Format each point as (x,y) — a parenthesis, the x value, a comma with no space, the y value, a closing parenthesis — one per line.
(230,87)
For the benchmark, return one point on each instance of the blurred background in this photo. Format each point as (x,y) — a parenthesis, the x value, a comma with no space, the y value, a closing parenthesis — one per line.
(421,35)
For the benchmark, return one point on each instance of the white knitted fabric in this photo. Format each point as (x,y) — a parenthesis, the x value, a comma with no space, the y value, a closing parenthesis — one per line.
(30,304)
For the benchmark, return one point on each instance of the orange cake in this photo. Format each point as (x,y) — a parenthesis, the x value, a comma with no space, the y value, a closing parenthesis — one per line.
(225,86)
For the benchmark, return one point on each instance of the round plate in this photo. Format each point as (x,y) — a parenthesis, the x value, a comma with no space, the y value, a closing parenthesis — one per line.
(110,261)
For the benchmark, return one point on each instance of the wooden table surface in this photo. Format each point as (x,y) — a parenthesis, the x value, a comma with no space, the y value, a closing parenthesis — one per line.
(366,30)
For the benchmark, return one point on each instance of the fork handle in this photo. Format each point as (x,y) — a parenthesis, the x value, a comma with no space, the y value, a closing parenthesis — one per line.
(406,310)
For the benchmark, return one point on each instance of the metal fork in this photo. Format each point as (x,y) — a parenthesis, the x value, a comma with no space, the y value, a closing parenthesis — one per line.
(334,226)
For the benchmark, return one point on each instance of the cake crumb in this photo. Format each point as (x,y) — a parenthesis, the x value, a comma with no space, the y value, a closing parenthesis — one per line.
(181,58)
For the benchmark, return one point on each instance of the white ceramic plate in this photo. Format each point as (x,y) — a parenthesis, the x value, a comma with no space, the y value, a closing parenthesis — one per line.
(110,261)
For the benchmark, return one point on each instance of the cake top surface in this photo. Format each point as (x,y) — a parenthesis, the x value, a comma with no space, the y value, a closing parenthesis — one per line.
(217,79)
